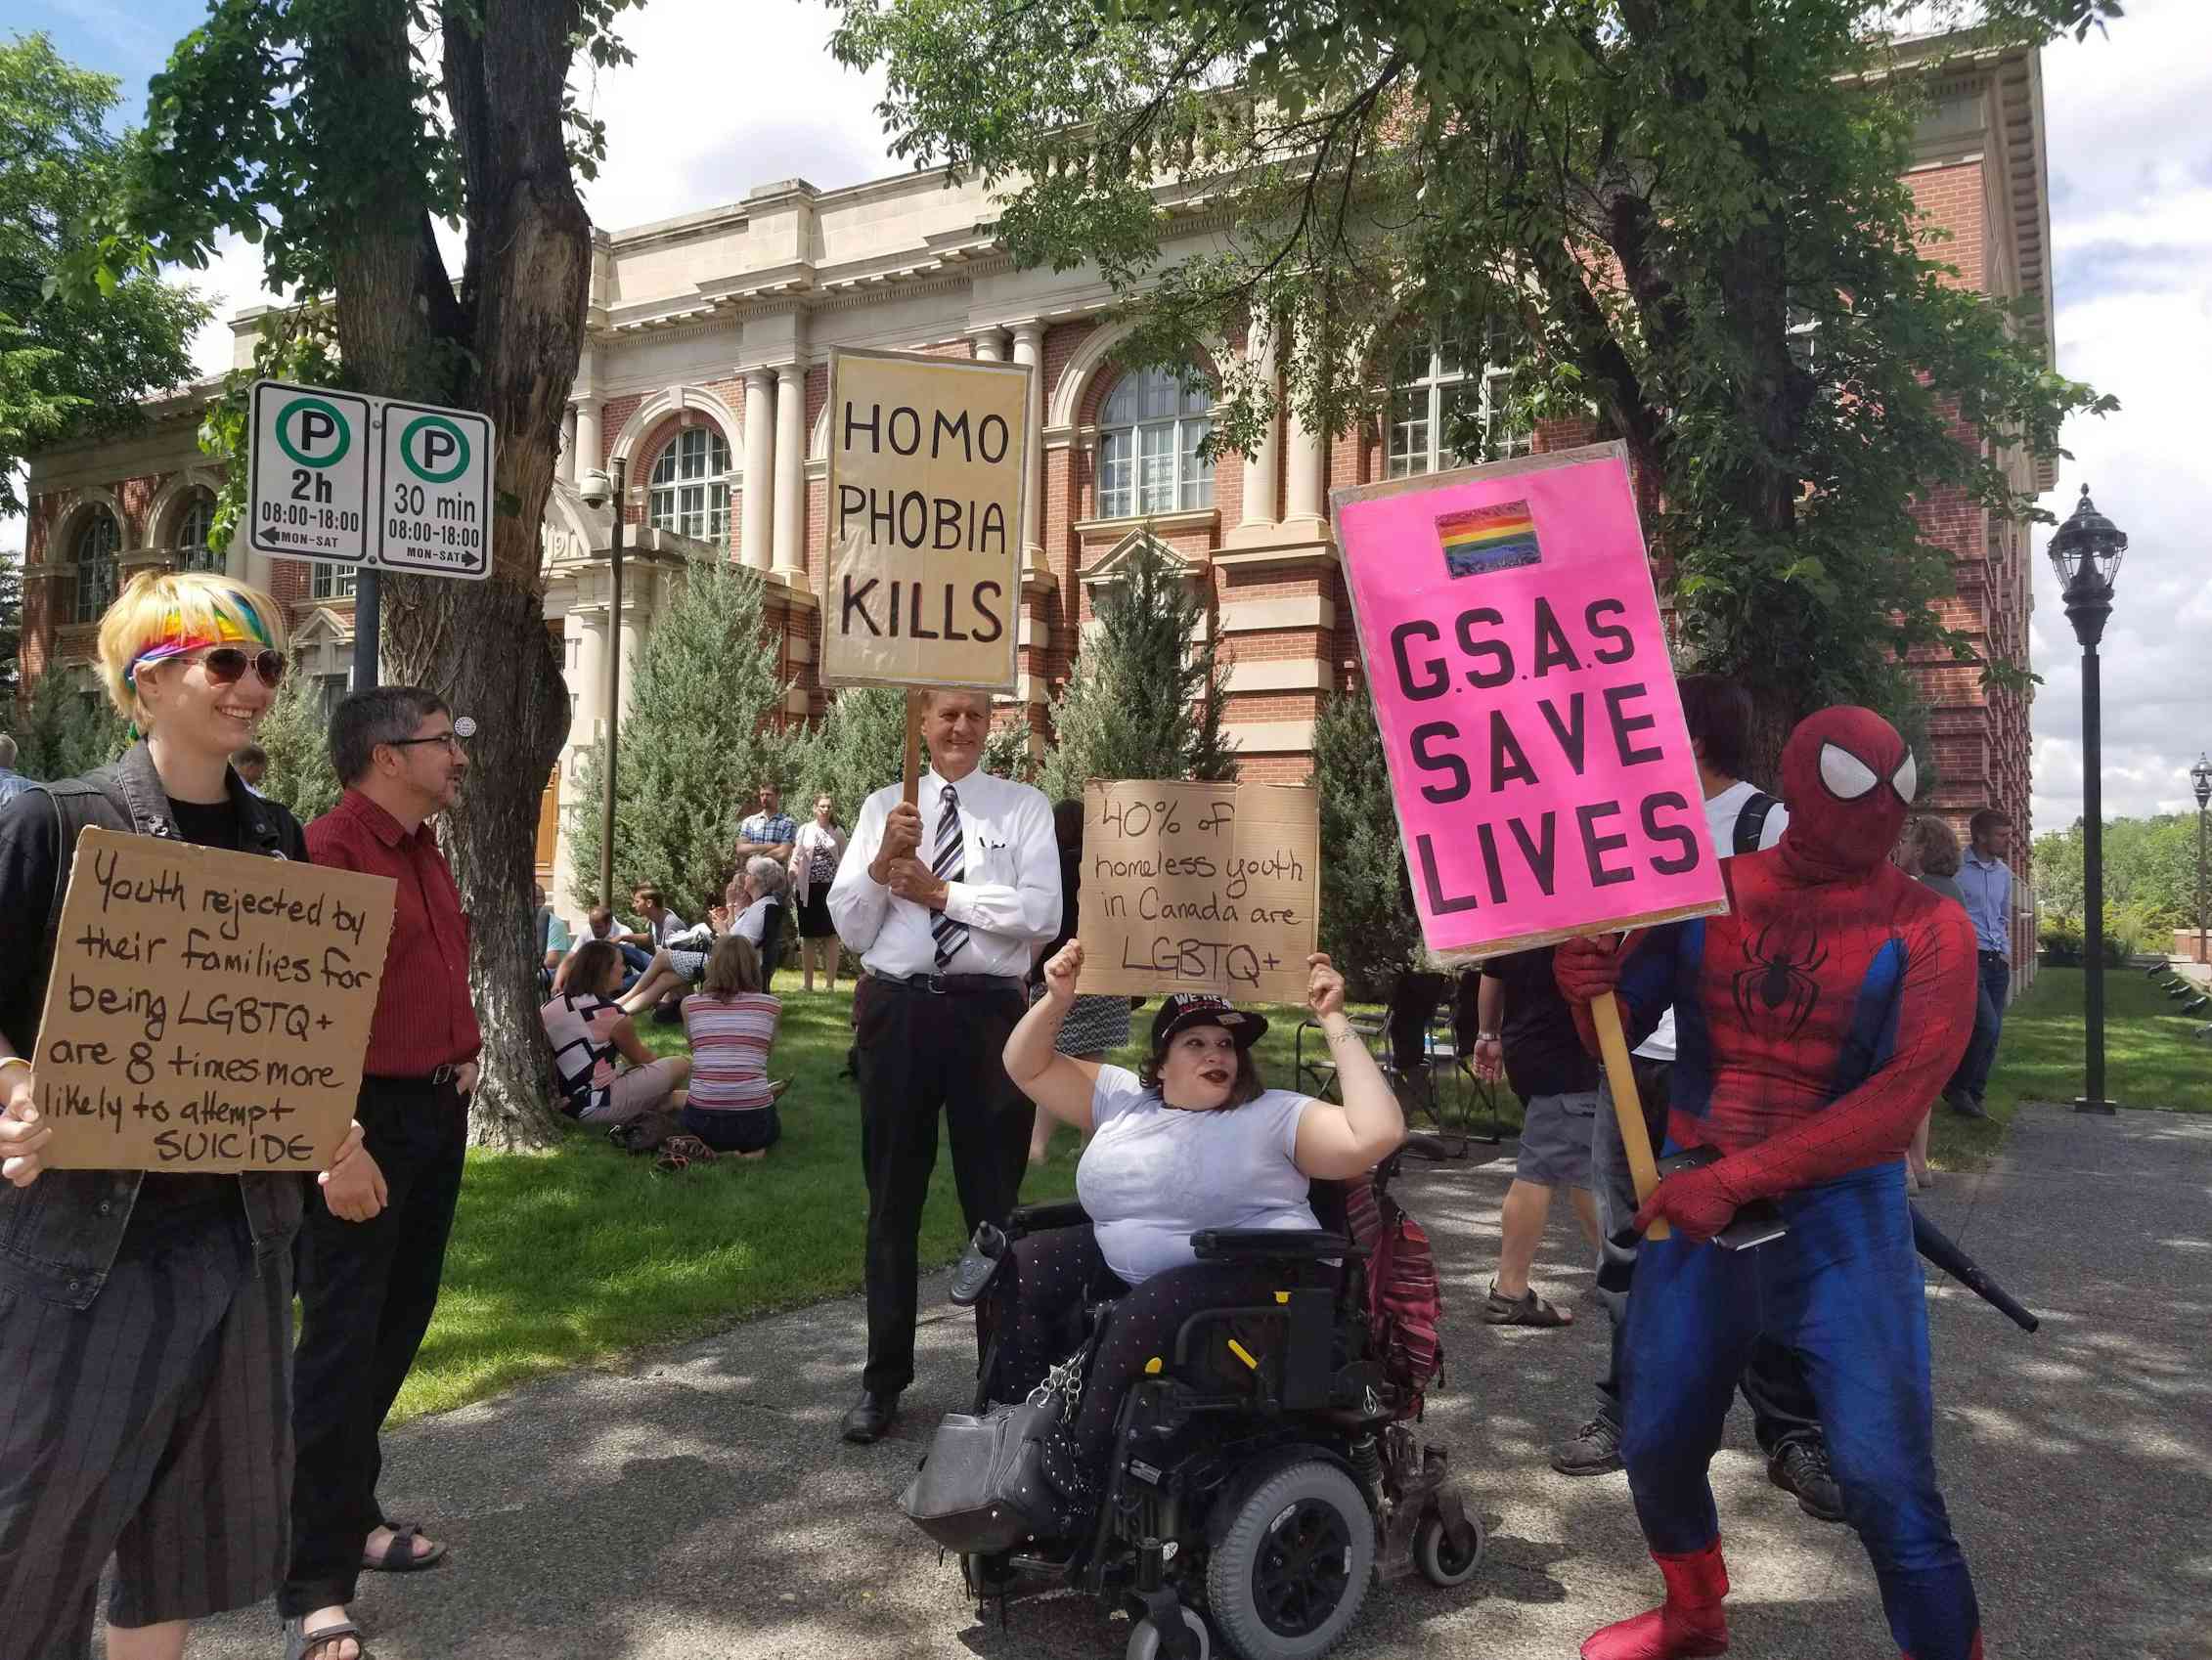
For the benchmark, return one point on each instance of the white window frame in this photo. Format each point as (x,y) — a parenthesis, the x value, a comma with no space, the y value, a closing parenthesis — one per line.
(687,493)
(96,592)
(1149,432)
(1413,440)
(330,581)
(192,552)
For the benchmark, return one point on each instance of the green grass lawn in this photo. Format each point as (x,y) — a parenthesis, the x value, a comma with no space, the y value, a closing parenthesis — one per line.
(2151,1059)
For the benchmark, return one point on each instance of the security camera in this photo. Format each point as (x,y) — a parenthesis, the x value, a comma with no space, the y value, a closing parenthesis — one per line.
(594,487)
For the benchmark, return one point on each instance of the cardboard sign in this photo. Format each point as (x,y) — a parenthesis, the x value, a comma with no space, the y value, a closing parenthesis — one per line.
(928,464)
(1200,888)
(208,1011)
(1542,771)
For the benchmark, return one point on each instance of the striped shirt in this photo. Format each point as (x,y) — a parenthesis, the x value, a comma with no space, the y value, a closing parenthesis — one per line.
(729,1044)
(578,1026)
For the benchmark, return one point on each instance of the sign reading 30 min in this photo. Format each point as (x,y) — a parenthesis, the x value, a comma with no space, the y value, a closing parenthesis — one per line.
(435,509)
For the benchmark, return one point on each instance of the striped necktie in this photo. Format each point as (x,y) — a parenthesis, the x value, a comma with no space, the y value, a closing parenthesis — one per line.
(948,864)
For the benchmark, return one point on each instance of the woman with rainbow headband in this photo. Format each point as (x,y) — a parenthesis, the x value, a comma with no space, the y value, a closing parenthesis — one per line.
(145,1319)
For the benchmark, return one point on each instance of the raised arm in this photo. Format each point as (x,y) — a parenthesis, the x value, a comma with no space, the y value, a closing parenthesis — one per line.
(1337,1143)
(859,900)
(1060,1085)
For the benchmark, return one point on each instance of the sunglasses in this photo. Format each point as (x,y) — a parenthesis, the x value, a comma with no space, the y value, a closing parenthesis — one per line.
(226,665)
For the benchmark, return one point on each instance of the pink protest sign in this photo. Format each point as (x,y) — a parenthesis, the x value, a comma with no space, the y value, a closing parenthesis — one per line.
(1543,776)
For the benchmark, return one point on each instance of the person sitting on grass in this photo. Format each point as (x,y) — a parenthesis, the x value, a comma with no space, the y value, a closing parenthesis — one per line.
(732,1025)
(589,1028)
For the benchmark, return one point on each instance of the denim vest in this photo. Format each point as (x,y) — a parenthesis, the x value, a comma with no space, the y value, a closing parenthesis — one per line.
(59,1235)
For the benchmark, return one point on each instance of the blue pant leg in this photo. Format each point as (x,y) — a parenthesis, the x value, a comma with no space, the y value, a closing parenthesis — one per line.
(1846,1292)
(1691,1324)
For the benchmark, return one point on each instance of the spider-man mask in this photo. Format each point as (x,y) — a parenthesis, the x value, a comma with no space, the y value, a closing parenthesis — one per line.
(1847,778)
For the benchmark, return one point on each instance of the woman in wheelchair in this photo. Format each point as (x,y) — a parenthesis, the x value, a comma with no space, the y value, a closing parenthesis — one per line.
(1194,1140)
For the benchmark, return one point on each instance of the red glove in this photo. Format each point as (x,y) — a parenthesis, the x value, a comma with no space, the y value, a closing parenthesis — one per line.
(1586,969)
(1697,1203)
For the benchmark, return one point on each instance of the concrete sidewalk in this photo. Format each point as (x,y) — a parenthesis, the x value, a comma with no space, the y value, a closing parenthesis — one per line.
(701,1505)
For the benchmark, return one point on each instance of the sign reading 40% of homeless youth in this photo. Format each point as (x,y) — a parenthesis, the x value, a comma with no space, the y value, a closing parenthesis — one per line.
(348,479)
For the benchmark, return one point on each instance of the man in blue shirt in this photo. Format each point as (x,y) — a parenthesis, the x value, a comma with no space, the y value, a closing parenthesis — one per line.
(1986,882)
(12,782)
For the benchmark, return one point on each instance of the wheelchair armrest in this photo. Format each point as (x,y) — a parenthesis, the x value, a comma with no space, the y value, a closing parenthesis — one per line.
(1283,1245)
(1039,1218)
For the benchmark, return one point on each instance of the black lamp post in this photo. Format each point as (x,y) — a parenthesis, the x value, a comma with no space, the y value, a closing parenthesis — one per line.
(2086,552)
(2201,776)
(595,490)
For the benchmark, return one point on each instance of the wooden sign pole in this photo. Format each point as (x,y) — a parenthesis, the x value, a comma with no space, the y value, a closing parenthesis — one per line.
(1612,1045)
(913,745)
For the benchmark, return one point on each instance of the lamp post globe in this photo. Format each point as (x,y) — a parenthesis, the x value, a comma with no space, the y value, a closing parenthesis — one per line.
(2085,553)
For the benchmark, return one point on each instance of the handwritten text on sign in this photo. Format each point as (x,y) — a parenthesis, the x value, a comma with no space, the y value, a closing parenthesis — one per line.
(208,1011)
(1537,754)
(1200,888)
(929,462)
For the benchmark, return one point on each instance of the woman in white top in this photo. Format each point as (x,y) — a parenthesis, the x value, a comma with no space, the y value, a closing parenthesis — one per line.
(1192,1141)
(588,1029)
(814,858)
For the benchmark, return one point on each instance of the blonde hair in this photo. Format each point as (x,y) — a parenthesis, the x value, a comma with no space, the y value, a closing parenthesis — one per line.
(164,606)
(733,966)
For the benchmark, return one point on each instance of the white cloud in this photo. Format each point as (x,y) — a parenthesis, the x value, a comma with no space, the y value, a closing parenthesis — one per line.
(2131,164)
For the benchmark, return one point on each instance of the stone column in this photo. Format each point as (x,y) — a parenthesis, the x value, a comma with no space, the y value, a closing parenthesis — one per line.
(791,474)
(1263,468)
(1029,348)
(758,513)
(587,446)
(1306,509)
(990,346)
(639,602)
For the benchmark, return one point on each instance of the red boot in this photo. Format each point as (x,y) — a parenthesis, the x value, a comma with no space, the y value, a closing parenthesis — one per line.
(1688,1623)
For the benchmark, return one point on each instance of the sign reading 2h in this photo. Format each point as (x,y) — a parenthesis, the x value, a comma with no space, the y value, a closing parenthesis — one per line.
(309,479)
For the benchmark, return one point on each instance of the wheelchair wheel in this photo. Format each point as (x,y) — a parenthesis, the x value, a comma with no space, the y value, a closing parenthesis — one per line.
(1144,1639)
(1441,1561)
(1287,1579)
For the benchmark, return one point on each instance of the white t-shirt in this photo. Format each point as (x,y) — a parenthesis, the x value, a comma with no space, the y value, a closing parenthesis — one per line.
(1155,1174)
(1721,813)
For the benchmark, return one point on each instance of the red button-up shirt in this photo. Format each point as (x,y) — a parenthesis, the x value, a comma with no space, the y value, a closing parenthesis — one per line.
(424,1015)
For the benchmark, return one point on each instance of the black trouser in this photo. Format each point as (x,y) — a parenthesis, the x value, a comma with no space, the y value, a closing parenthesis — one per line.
(1773,1381)
(367,1290)
(920,1051)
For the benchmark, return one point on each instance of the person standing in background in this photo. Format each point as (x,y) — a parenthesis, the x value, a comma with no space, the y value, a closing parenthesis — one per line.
(1985,883)
(814,858)
(946,901)
(367,1292)
(1929,854)
(770,833)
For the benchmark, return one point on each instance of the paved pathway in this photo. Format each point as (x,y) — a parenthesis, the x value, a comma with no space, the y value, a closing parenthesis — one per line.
(701,1505)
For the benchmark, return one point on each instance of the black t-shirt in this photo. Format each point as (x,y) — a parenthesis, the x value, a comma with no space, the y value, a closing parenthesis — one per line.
(170,1207)
(1543,1052)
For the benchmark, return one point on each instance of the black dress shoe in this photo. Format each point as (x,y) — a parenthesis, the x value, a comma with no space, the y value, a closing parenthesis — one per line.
(871,1417)
(1965,1105)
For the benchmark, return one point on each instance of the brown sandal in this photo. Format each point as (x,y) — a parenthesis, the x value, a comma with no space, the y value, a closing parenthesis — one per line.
(1527,1309)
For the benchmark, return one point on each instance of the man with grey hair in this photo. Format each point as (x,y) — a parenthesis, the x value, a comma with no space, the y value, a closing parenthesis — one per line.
(12,782)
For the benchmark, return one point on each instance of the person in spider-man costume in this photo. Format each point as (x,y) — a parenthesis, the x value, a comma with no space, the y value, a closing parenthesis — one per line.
(1815,1023)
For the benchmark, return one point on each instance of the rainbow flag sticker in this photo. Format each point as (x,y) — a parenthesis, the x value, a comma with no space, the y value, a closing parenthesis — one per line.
(1496,537)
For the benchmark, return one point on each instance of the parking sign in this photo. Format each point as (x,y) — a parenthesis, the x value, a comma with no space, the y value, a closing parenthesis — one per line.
(435,507)
(309,479)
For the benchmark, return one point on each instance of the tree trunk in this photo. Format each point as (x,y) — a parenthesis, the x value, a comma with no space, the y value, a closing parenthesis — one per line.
(507,345)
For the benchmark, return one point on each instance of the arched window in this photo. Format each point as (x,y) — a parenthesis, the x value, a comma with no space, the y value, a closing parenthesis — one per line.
(193,526)
(98,544)
(1436,389)
(1148,438)
(691,485)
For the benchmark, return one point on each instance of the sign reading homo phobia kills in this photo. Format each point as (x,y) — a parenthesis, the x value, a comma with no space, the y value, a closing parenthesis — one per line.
(208,1011)
(1200,888)
(1537,753)
(928,466)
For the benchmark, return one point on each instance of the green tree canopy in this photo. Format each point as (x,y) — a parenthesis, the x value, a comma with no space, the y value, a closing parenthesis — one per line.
(1368,925)
(1686,219)
(71,366)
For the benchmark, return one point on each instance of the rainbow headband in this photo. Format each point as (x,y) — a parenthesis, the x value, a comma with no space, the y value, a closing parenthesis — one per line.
(174,641)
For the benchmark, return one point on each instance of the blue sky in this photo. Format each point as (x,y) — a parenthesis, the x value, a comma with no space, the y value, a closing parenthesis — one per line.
(727,95)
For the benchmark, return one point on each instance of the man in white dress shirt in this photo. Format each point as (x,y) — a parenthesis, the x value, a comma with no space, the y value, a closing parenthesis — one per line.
(944,903)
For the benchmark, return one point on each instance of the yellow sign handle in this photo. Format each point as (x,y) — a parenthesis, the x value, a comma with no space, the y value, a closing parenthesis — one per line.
(1613,1046)
(914,746)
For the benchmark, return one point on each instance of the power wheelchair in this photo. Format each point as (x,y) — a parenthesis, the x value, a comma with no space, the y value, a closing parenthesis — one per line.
(1262,1474)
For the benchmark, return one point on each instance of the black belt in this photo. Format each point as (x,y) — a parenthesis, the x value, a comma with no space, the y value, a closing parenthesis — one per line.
(437,1080)
(951,984)
(2007,955)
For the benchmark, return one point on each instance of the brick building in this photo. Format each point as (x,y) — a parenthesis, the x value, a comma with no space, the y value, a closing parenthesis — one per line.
(705,373)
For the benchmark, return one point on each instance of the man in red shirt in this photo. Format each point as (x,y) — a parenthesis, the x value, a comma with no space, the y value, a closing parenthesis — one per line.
(367,1289)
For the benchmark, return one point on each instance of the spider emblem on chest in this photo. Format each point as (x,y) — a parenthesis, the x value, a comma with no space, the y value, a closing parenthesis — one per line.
(1777,989)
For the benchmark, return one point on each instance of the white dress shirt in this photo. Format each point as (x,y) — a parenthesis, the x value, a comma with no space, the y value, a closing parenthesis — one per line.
(1009,897)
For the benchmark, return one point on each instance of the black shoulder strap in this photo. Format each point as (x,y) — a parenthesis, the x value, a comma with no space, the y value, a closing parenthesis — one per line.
(1750,822)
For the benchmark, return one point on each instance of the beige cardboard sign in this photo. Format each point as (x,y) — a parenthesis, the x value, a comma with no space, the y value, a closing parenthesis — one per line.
(928,466)
(208,1011)
(1200,888)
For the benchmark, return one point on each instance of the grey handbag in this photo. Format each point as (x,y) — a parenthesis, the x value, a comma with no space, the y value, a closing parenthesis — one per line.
(982,1487)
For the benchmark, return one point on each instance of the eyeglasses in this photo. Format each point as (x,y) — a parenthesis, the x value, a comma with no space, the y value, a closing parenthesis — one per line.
(451,740)
(226,665)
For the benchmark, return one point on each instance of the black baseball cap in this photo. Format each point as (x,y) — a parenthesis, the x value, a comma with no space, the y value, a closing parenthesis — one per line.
(1186,1009)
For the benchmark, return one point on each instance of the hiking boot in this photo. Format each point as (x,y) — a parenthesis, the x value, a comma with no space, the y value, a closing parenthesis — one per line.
(1802,1467)
(1965,1105)
(1594,1451)
(1687,1623)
